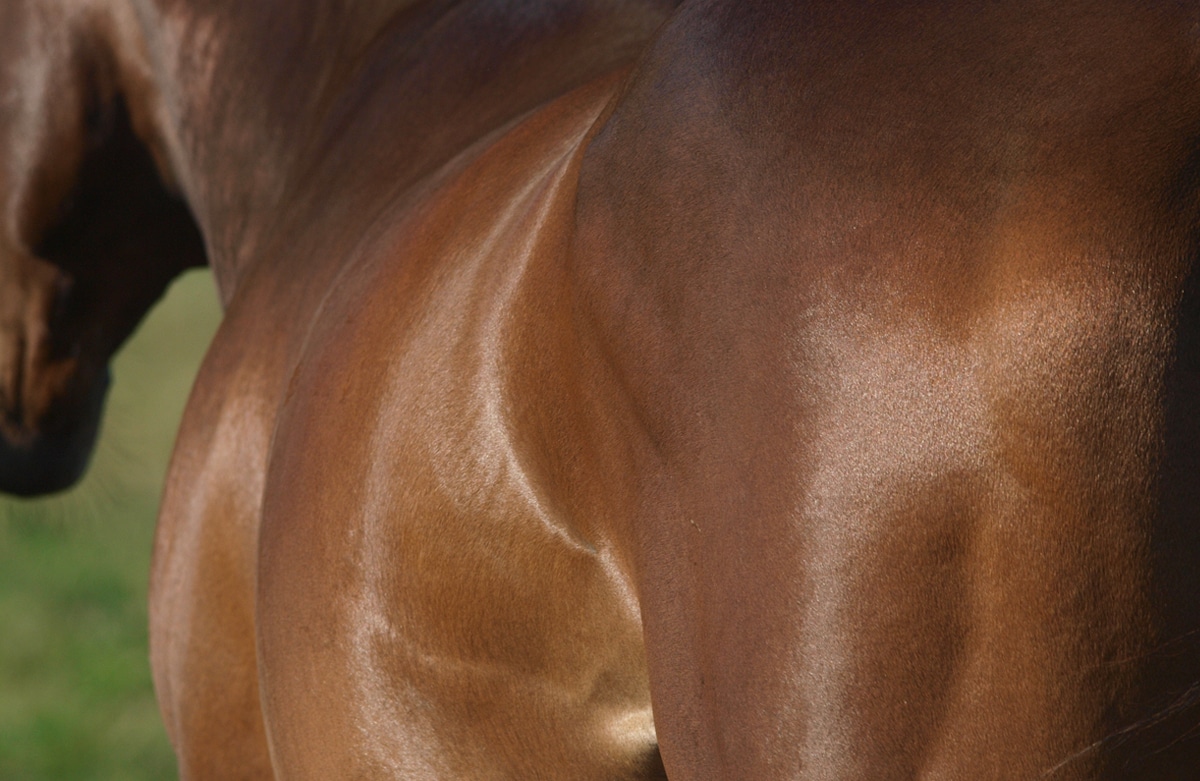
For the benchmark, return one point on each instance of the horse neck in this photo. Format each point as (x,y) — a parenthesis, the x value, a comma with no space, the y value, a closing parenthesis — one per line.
(282,120)
(233,90)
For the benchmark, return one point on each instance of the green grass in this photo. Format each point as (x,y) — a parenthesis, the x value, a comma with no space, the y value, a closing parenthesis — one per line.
(75,695)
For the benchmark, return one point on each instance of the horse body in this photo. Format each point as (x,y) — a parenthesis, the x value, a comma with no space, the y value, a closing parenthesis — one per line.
(813,399)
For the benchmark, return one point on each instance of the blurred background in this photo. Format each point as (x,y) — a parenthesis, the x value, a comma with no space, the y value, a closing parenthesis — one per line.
(76,700)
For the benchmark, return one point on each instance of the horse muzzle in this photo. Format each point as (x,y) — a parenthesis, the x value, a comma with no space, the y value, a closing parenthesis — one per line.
(53,458)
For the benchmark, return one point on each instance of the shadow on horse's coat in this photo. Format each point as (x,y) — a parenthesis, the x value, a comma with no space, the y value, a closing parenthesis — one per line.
(609,389)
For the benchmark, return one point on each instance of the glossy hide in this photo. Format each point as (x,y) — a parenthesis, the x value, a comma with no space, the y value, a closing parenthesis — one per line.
(825,381)
(204,619)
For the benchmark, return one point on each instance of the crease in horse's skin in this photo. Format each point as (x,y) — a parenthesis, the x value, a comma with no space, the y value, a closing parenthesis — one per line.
(495,427)
(614,389)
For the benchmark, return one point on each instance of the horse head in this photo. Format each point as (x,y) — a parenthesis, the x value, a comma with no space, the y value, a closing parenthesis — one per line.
(91,232)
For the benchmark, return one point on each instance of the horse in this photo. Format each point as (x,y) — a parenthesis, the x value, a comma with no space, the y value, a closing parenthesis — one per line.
(631,389)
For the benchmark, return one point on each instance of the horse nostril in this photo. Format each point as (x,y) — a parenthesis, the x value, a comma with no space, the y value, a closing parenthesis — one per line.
(13,427)
(12,423)
(12,377)
(64,286)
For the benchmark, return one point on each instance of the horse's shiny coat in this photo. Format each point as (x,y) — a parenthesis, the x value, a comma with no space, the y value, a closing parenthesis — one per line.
(759,390)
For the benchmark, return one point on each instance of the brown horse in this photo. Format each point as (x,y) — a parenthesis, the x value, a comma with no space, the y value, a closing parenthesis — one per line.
(755,390)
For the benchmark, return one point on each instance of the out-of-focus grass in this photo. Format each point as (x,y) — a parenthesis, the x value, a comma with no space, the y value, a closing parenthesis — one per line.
(75,694)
